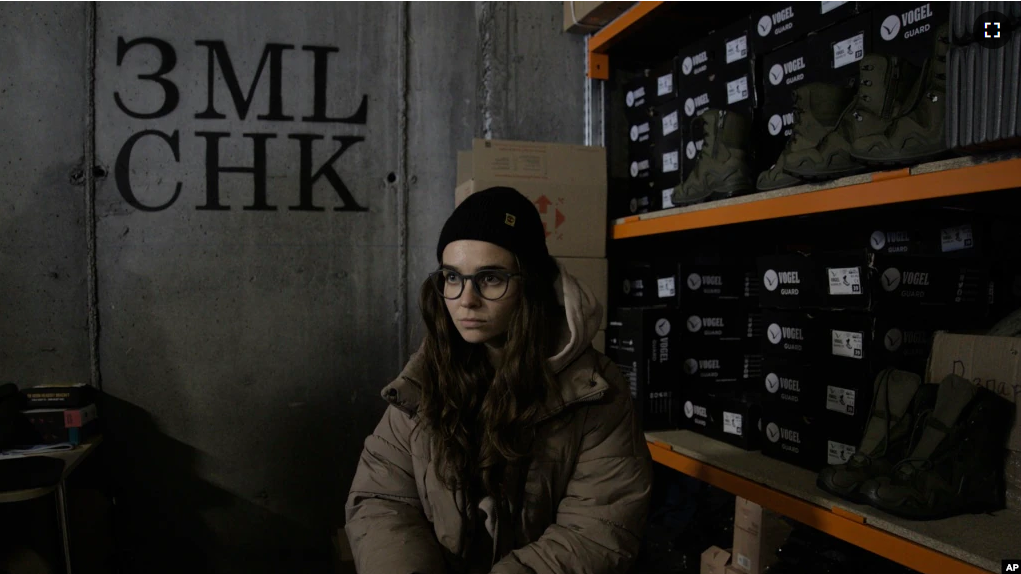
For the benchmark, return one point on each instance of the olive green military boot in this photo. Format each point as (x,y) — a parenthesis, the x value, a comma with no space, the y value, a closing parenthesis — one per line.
(919,134)
(775,177)
(819,148)
(899,401)
(957,464)
(723,166)
(885,85)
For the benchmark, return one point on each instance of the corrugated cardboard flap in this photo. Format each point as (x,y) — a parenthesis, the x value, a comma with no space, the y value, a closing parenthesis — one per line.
(552,163)
(991,362)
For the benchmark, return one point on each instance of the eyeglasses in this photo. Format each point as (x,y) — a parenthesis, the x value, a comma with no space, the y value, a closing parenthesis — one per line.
(489,284)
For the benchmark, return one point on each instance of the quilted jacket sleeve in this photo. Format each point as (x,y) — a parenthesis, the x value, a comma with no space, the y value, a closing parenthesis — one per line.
(386,526)
(601,519)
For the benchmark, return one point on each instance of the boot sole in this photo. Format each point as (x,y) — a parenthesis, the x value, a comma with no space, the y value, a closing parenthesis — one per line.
(828,175)
(725,193)
(904,161)
(854,496)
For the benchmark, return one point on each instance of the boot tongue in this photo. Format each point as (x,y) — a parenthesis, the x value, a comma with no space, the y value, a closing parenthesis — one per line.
(954,394)
(892,391)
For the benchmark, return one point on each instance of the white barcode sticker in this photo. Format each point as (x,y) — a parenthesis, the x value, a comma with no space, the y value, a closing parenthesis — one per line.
(849,51)
(956,238)
(665,85)
(665,287)
(737,90)
(827,7)
(848,344)
(737,49)
(840,400)
(838,452)
(670,123)
(671,162)
(732,423)
(744,562)
(845,281)
(668,198)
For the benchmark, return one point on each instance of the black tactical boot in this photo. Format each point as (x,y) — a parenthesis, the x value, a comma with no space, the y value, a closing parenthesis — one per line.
(899,401)
(919,134)
(722,168)
(957,464)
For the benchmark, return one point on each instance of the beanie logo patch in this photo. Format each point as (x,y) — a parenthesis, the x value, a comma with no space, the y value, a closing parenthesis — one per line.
(510,220)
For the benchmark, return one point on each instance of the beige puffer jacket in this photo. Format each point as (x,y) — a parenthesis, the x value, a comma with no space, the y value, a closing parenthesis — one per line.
(586,492)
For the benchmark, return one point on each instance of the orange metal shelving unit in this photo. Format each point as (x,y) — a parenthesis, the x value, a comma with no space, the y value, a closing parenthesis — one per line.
(835,522)
(885,188)
(600,43)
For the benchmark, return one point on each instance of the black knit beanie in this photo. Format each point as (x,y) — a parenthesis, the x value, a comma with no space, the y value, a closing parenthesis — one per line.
(504,217)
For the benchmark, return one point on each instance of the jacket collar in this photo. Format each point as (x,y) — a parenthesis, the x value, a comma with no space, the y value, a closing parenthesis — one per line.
(579,382)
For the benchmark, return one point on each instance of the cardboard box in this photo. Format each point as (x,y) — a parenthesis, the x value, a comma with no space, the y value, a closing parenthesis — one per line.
(641,163)
(706,324)
(808,442)
(737,86)
(566,182)
(908,29)
(644,345)
(666,159)
(697,62)
(909,234)
(464,166)
(780,23)
(593,273)
(992,362)
(640,131)
(714,560)
(644,284)
(758,534)
(588,17)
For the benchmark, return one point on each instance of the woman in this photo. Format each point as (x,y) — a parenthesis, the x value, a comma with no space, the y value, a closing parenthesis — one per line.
(510,445)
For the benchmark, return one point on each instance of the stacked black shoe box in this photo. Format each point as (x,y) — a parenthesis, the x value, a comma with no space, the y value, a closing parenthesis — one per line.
(711,307)
(654,137)
(838,40)
(838,314)
(716,72)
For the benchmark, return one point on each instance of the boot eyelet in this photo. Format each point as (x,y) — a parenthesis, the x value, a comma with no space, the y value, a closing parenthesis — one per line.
(865,97)
(867,82)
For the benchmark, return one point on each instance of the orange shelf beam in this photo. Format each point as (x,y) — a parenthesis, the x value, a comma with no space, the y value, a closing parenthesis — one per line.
(885,188)
(600,43)
(844,525)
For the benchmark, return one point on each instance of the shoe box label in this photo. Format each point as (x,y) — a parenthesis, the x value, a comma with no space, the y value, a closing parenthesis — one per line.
(641,159)
(789,281)
(932,281)
(712,365)
(838,452)
(710,323)
(637,98)
(663,78)
(667,164)
(908,29)
(840,400)
(818,388)
(732,423)
(718,282)
(697,61)
(850,344)
(736,88)
(640,131)
(666,122)
(840,48)
(645,283)
(644,345)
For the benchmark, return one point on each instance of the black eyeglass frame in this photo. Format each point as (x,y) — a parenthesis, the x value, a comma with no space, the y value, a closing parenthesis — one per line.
(506,275)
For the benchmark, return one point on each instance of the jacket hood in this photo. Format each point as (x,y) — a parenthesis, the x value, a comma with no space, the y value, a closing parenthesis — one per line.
(578,376)
(583,314)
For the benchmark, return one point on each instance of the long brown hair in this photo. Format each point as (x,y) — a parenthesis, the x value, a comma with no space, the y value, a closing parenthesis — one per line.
(482,418)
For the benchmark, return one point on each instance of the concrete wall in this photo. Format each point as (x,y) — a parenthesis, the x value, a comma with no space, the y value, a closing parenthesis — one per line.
(243,337)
